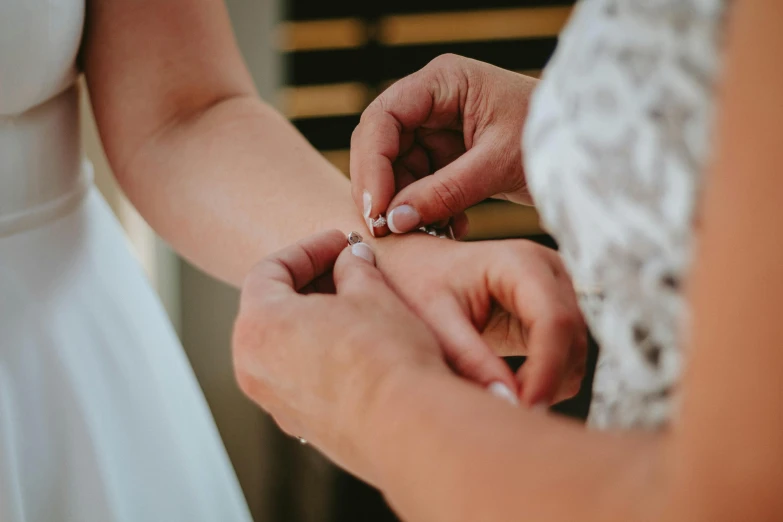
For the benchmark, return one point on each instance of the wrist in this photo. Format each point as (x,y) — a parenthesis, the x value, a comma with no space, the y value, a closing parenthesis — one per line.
(389,248)
(384,415)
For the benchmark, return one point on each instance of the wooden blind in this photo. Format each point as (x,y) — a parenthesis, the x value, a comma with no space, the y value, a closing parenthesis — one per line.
(340,54)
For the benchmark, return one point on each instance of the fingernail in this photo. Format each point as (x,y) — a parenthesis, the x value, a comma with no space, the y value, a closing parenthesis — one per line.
(501,391)
(367,202)
(371,228)
(403,219)
(364,251)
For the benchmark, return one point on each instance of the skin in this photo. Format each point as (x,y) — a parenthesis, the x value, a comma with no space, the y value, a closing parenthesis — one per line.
(424,141)
(226,180)
(412,426)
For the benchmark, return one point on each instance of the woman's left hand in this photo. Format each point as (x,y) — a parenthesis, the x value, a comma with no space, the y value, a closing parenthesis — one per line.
(318,337)
(494,298)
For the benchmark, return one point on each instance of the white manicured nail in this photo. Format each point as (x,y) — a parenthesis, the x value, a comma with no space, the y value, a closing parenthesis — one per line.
(364,251)
(369,226)
(501,391)
(403,219)
(367,202)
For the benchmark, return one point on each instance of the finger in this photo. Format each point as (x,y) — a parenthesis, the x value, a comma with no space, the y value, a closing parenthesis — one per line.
(465,350)
(408,168)
(417,162)
(323,284)
(376,142)
(375,146)
(575,374)
(470,179)
(442,146)
(546,368)
(532,293)
(289,270)
(355,272)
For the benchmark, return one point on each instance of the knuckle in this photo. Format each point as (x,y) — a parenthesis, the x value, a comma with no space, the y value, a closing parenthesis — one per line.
(254,332)
(356,133)
(525,247)
(371,111)
(244,335)
(450,195)
(364,280)
(565,320)
(253,286)
(446,60)
(247,384)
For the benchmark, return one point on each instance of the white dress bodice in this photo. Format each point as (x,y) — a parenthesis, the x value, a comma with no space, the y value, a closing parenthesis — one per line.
(101,417)
(615,147)
(42,173)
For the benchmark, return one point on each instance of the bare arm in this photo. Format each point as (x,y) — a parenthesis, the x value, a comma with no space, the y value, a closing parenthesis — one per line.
(227,180)
(218,173)
(466,458)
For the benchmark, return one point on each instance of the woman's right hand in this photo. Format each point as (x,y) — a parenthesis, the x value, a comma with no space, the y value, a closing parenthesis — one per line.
(439,141)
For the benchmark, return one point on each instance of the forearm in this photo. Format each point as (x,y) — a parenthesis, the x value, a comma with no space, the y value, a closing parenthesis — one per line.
(234,183)
(444,450)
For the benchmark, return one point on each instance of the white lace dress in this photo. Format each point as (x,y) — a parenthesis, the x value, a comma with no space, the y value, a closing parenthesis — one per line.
(615,149)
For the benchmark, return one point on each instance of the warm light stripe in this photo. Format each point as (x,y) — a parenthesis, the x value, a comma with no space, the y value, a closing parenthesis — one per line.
(340,159)
(343,33)
(470,26)
(337,99)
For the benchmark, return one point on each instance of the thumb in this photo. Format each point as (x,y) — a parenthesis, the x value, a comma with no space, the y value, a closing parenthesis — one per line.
(355,271)
(473,177)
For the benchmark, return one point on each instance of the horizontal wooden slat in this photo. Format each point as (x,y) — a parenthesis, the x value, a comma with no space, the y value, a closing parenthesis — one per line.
(324,100)
(500,220)
(340,159)
(321,34)
(473,25)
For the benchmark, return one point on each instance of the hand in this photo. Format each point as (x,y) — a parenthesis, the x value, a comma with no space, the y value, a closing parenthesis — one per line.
(493,298)
(441,139)
(316,362)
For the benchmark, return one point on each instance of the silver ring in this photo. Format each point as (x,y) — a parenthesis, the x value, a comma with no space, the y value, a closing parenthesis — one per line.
(354,237)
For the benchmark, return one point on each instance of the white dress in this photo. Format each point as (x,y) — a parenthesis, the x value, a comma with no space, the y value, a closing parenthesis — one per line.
(101,418)
(616,144)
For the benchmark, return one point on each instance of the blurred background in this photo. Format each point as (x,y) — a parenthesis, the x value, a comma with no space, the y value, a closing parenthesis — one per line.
(321,63)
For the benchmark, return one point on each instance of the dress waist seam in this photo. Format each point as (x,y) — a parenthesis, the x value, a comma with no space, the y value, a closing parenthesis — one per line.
(39,215)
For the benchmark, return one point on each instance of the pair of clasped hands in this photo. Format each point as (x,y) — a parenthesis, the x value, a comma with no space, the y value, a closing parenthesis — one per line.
(322,331)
